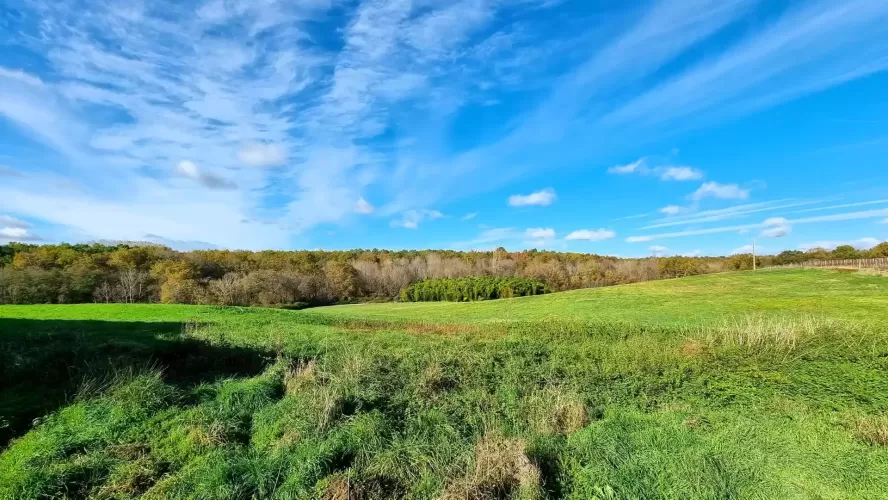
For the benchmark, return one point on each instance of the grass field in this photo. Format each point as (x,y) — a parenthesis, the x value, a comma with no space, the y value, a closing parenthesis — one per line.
(745,385)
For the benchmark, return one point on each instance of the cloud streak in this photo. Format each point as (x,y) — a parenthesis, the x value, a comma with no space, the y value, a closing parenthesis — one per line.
(867,214)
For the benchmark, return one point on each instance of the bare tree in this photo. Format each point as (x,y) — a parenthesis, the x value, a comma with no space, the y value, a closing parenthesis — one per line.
(132,284)
(228,289)
(104,293)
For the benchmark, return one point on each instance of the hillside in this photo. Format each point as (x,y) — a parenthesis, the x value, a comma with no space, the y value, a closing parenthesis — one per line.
(678,301)
(741,385)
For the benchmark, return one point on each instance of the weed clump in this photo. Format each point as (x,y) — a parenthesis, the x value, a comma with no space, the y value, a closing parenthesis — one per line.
(501,470)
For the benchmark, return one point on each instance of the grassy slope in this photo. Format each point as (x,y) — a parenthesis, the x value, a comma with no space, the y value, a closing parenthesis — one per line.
(838,295)
(546,409)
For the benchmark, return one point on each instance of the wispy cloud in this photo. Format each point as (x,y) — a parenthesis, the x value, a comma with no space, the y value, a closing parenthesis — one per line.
(412,218)
(776,227)
(814,45)
(749,249)
(658,250)
(666,173)
(720,191)
(844,205)
(262,155)
(535,237)
(590,235)
(868,214)
(337,97)
(629,168)
(671,210)
(363,207)
(737,211)
(860,244)
(469,216)
(540,233)
(541,198)
(680,174)
(205,179)
(9,171)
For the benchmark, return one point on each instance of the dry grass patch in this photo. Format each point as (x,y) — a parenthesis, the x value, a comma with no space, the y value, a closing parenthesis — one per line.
(556,411)
(872,430)
(760,333)
(501,470)
(299,376)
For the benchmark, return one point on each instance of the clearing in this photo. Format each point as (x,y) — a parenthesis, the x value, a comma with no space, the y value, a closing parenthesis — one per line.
(771,384)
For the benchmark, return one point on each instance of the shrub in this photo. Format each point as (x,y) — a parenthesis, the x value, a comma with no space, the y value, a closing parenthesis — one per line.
(470,289)
(676,267)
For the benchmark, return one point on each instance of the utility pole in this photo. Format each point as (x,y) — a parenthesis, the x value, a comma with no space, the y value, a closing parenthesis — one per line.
(753,255)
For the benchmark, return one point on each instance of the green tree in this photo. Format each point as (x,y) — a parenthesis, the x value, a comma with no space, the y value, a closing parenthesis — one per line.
(845,252)
(880,250)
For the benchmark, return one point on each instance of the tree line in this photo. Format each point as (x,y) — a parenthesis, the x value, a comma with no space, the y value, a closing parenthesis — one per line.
(472,288)
(65,273)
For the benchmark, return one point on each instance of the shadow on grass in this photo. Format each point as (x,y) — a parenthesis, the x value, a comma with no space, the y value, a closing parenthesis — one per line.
(44,364)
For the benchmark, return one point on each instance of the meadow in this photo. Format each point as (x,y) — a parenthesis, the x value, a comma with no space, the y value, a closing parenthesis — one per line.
(770,384)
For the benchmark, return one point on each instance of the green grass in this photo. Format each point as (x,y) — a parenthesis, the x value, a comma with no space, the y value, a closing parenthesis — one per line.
(745,385)
(680,301)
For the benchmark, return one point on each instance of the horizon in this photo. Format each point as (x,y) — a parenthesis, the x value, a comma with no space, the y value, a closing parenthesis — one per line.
(661,127)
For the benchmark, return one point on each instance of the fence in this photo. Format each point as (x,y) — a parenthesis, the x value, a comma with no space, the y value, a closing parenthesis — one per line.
(876,263)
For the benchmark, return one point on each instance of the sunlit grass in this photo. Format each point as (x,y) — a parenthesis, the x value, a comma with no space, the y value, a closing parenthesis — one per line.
(603,398)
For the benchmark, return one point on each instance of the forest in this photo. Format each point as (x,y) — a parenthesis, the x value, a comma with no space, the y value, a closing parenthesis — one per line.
(129,273)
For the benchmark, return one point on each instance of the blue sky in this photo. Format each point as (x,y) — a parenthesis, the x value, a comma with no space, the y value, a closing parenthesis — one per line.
(620,128)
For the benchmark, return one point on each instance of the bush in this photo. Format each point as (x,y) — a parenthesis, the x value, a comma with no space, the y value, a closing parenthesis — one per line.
(470,289)
(676,267)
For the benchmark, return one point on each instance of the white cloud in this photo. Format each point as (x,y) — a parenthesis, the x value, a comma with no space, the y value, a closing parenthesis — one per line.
(861,244)
(262,155)
(720,191)
(749,249)
(693,253)
(590,235)
(680,174)
(8,221)
(542,198)
(671,210)
(187,92)
(469,216)
(776,231)
(412,218)
(206,179)
(540,233)
(363,207)
(628,168)
(776,227)
(884,221)
(181,245)
(13,232)
(666,173)
(658,250)
(639,239)
(19,234)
